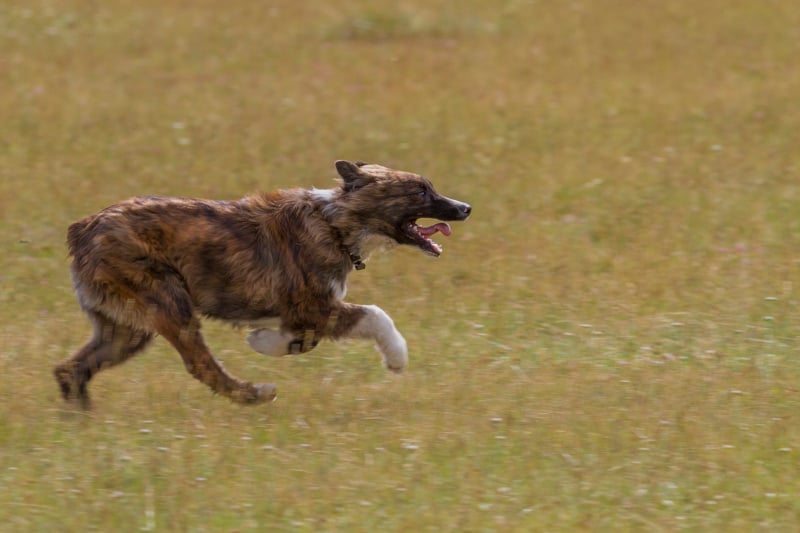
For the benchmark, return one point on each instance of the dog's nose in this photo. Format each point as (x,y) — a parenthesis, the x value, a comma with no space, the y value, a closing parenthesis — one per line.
(466,209)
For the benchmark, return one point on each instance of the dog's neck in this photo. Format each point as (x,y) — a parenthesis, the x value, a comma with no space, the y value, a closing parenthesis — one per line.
(362,247)
(352,252)
(367,244)
(346,231)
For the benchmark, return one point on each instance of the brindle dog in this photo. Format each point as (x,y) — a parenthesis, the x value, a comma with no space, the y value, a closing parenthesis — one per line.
(152,265)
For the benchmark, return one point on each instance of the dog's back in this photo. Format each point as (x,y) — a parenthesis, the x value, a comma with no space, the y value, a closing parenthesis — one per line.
(235,259)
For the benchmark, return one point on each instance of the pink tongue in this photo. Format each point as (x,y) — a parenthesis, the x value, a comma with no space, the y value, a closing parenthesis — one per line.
(443,227)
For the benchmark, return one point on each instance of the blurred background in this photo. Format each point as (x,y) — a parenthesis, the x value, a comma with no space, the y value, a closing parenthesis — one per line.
(609,343)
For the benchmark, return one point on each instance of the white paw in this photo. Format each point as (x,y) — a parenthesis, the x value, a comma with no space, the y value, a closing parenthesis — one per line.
(270,342)
(377,325)
(394,351)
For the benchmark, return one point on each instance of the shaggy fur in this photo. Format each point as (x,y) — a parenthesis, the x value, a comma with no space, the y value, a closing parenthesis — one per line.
(153,265)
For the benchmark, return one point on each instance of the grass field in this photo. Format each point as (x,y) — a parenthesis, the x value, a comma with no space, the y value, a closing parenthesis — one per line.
(608,344)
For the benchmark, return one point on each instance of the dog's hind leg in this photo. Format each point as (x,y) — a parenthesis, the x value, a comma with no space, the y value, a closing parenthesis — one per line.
(174,319)
(110,345)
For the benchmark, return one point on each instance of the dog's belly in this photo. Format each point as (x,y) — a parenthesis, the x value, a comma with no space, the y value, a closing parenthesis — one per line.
(273,323)
(254,323)
(232,308)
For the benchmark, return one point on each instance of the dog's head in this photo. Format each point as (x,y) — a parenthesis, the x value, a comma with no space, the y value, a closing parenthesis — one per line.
(389,203)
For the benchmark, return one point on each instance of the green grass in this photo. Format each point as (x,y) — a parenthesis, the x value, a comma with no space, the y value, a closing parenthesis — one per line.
(608,344)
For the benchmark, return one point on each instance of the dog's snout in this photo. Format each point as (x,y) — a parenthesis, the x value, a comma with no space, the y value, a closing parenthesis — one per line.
(450,209)
(463,210)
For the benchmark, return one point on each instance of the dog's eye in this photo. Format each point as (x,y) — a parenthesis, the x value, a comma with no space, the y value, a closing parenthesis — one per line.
(423,191)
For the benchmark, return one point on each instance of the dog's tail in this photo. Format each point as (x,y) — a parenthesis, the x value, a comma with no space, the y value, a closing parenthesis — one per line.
(77,235)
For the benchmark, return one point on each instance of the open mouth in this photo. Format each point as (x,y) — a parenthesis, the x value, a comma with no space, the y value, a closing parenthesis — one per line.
(421,235)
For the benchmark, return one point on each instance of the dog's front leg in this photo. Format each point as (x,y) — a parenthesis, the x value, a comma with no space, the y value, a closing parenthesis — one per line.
(343,321)
(372,322)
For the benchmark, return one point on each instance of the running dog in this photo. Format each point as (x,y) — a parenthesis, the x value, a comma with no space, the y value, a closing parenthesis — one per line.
(154,265)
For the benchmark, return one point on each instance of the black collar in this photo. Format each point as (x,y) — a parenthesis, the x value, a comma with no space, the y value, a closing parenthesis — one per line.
(355,258)
(358,264)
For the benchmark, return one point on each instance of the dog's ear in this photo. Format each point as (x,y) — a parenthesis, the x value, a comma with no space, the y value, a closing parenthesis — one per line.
(352,175)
